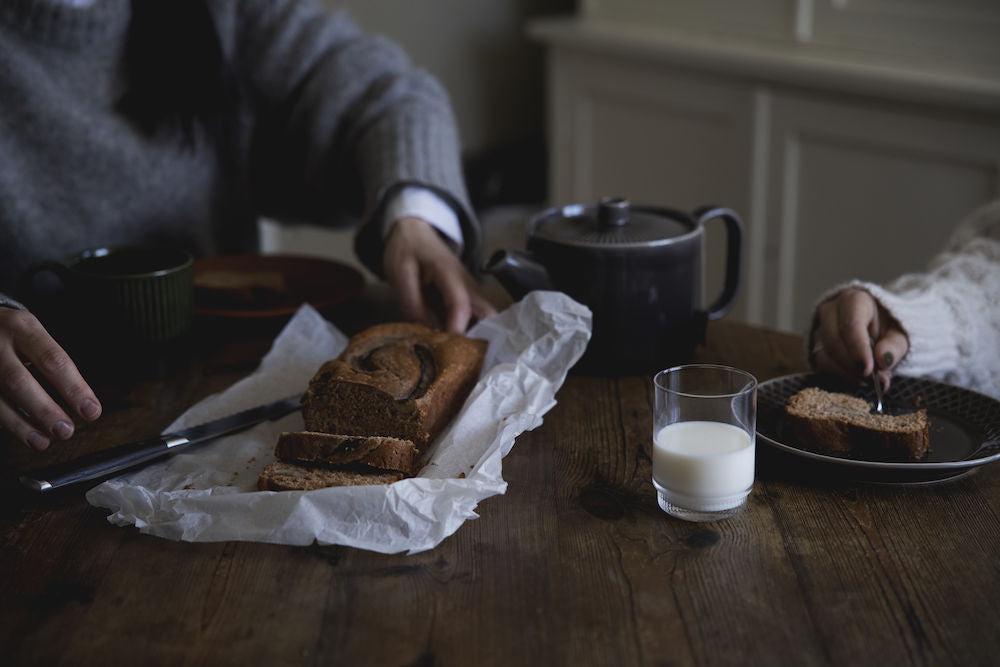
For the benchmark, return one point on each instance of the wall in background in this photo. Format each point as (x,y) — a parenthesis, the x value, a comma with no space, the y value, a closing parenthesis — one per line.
(479,52)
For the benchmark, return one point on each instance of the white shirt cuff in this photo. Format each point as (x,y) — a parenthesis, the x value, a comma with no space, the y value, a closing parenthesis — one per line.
(417,202)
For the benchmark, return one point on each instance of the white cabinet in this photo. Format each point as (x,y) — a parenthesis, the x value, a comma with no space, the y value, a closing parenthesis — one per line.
(842,164)
(857,190)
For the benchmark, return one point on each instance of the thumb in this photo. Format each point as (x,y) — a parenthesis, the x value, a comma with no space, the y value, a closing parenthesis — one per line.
(889,350)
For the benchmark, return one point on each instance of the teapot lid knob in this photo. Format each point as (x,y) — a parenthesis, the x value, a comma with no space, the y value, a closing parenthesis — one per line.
(612,212)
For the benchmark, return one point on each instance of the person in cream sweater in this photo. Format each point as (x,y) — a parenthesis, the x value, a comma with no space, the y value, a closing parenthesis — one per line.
(942,323)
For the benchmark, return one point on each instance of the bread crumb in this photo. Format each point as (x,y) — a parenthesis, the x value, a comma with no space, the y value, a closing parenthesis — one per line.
(461,475)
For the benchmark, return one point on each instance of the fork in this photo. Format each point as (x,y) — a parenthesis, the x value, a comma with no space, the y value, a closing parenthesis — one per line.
(878,385)
(878,393)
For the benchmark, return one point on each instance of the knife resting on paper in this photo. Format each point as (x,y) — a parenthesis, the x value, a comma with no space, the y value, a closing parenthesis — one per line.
(116,459)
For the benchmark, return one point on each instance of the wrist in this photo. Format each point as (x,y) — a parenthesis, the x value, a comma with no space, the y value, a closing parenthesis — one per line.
(419,202)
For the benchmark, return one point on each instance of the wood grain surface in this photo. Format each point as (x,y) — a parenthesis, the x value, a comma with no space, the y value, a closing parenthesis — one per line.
(574,565)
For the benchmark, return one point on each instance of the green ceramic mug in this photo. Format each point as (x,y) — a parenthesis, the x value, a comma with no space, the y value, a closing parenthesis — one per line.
(132,295)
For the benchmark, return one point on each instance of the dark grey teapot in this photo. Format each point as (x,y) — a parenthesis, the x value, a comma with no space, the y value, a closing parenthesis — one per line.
(638,268)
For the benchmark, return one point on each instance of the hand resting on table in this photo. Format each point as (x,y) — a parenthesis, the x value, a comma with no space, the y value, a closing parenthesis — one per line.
(26,408)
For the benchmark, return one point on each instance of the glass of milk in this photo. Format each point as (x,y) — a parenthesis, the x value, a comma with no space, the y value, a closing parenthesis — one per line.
(704,428)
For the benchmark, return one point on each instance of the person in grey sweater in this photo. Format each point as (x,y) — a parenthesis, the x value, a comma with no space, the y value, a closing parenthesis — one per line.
(182,122)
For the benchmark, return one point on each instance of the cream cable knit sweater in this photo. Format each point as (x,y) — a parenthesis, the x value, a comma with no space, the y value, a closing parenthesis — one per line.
(951,312)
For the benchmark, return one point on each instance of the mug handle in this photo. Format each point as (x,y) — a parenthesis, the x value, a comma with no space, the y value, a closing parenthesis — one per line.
(734,256)
(26,286)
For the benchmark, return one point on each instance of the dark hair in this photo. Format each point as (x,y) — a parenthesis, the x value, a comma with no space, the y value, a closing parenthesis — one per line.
(176,74)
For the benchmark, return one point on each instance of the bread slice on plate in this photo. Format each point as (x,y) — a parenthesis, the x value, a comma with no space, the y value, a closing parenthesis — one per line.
(844,424)
(283,476)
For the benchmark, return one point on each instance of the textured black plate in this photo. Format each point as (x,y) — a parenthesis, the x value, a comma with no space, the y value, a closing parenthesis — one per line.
(964,428)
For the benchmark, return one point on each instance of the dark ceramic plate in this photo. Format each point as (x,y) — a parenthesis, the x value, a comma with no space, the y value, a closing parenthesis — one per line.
(261,286)
(964,428)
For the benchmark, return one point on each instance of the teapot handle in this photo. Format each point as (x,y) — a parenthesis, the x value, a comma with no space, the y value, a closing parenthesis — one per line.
(734,255)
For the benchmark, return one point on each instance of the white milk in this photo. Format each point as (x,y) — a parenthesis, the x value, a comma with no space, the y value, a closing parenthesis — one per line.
(702,465)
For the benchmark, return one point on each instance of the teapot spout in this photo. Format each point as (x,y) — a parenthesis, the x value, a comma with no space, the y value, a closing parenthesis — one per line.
(518,273)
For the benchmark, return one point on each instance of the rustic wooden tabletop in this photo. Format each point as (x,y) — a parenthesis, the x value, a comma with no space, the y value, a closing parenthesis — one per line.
(574,565)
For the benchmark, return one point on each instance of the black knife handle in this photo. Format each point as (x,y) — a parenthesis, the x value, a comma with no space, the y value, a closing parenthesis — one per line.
(101,463)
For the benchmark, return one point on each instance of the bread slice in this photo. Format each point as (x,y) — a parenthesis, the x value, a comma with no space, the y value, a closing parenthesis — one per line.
(841,423)
(283,476)
(397,379)
(310,447)
(221,288)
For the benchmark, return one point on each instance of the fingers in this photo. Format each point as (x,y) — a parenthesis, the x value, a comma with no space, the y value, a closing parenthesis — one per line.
(847,326)
(457,306)
(481,306)
(889,349)
(857,316)
(21,428)
(26,408)
(416,257)
(404,277)
(462,302)
(842,334)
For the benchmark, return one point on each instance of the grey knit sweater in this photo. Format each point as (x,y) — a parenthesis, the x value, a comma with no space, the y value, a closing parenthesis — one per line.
(330,122)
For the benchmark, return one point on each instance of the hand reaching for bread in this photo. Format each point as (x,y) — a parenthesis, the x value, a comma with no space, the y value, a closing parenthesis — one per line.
(854,336)
(416,258)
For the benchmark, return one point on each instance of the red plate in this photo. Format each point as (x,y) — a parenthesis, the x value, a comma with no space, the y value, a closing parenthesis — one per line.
(258,286)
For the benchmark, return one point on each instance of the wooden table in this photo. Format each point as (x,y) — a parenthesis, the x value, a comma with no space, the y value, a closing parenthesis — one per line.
(574,565)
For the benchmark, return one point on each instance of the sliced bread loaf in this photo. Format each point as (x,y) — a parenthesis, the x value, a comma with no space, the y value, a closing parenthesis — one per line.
(397,379)
(367,413)
(838,422)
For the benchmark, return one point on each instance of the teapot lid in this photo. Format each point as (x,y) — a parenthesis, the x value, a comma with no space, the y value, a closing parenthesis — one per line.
(611,222)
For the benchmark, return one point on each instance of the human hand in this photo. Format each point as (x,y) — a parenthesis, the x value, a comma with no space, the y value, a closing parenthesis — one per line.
(416,257)
(846,327)
(26,409)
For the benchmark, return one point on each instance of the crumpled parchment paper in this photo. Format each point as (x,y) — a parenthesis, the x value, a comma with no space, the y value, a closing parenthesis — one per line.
(209,492)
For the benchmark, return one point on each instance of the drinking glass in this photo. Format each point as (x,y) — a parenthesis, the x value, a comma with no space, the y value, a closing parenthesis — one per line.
(704,428)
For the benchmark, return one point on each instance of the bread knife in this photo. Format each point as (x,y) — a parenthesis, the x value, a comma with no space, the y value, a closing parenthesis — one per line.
(107,462)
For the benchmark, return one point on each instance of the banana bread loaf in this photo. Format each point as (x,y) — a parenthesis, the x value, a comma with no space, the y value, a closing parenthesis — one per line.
(399,380)
(841,423)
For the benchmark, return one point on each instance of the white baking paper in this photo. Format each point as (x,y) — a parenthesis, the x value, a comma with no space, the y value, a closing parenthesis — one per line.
(209,493)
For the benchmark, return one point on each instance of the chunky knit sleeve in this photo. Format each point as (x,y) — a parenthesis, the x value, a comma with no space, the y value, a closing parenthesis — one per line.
(340,119)
(951,312)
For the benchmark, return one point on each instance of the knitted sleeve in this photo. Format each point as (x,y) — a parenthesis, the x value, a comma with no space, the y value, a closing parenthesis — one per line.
(8,302)
(951,312)
(337,113)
